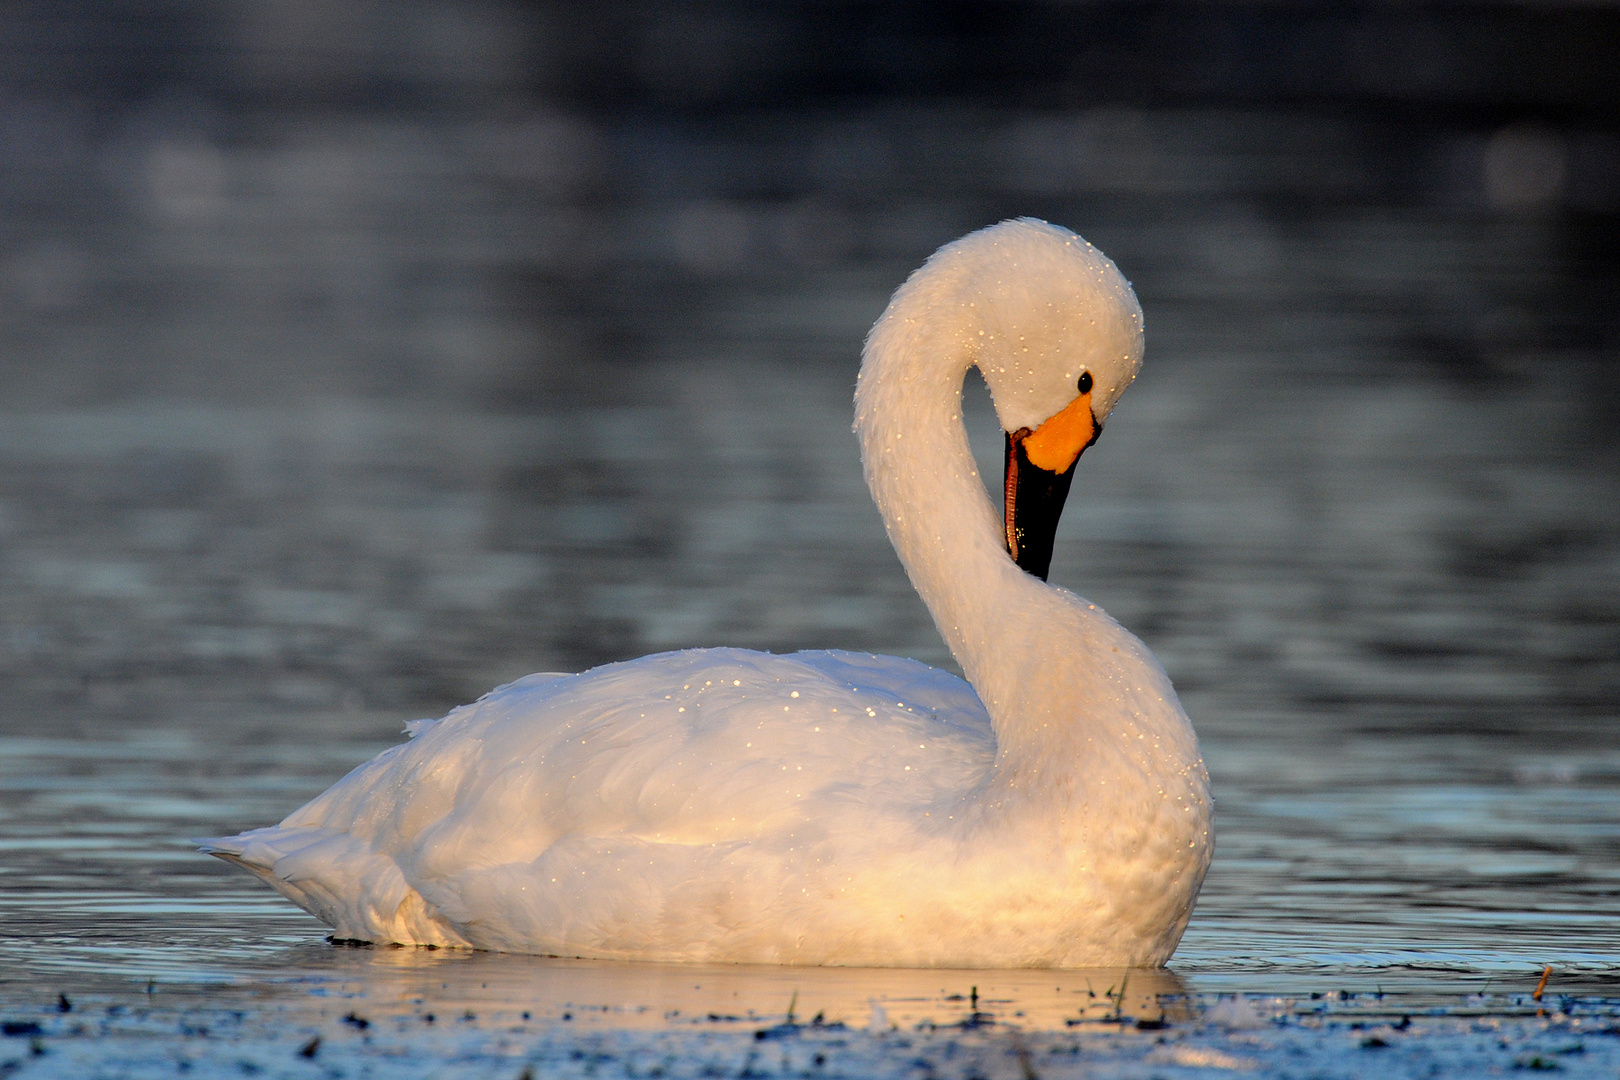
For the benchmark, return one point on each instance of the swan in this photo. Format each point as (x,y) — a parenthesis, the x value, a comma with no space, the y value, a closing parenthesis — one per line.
(834,808)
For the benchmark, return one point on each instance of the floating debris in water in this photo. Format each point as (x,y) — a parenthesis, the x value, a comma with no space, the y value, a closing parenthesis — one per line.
(1253,1035)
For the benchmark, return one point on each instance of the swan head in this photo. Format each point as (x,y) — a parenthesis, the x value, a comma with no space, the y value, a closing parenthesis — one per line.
(1042,308)
(1056,331)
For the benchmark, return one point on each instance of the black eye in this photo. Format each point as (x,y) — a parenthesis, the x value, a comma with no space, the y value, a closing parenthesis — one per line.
(1085,382)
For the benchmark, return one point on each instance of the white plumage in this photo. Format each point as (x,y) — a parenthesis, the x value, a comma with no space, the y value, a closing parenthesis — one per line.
(823,807)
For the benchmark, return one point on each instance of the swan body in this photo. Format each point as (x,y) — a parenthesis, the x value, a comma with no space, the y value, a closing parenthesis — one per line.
(826,807)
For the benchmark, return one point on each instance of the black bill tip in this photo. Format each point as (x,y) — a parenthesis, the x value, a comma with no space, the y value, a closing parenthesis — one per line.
(1034,502)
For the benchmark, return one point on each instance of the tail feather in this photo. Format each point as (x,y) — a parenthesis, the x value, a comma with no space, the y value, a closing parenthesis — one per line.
(339,879)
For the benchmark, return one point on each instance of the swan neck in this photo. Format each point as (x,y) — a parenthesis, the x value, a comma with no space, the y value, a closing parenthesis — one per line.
(1061,681)
(923,478)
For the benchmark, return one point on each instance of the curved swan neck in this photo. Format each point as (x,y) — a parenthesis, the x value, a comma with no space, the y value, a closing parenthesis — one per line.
(1030,306)
(925,483)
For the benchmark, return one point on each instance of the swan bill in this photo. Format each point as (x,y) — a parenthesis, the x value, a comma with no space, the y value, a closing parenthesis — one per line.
(1058,443)
(1039,470)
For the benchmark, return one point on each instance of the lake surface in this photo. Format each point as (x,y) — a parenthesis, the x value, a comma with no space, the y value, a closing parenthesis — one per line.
(319,429)
(1389,639)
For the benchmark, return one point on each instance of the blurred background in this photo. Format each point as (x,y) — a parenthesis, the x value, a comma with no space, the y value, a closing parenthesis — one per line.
(360,356)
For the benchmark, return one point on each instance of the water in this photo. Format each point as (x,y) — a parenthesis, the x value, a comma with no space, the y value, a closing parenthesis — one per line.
(326,427)
(1413,764)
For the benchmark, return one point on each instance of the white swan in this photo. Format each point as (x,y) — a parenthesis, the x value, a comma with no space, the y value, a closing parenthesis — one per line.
(829,807)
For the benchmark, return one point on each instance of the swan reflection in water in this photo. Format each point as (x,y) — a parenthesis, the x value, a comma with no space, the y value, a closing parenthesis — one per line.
(618,994)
